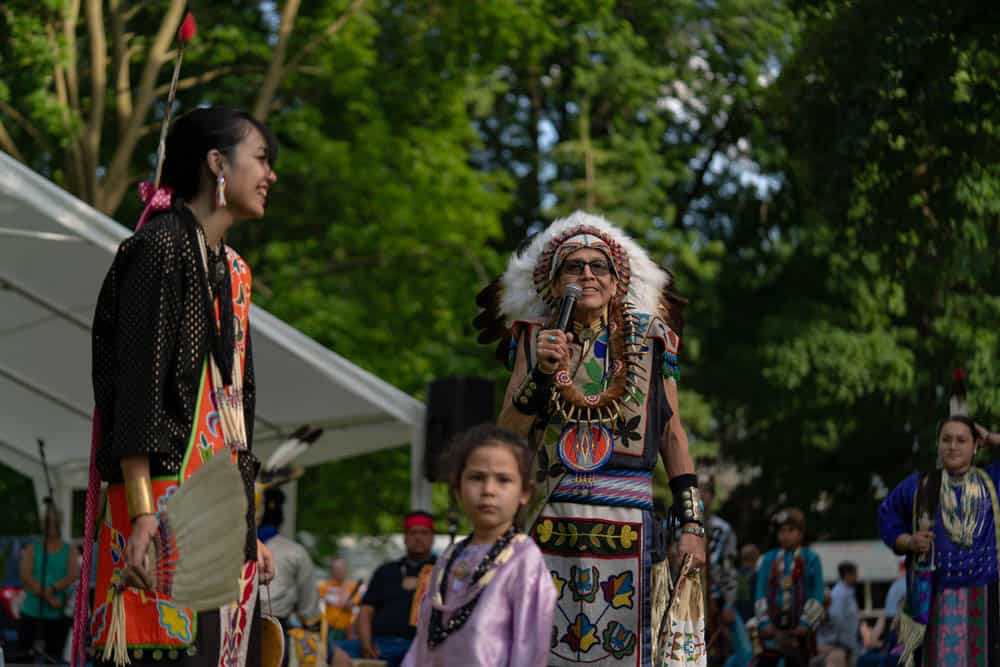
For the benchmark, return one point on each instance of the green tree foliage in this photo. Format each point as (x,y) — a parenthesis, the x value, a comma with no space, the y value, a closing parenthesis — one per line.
(871,273)
(819,175)
(19,515)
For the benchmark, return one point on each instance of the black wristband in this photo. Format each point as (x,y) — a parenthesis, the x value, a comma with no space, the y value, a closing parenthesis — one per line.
(533,396)
(681,482)
(688,507)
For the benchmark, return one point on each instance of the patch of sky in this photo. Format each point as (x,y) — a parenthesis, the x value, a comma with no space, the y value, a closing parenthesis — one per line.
(272,19)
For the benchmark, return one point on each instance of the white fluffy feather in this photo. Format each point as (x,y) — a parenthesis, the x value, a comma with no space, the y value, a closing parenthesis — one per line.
(286,452)
(521,302)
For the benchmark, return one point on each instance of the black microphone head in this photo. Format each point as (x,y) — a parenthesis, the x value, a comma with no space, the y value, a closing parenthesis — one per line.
(573,291)
(571,294)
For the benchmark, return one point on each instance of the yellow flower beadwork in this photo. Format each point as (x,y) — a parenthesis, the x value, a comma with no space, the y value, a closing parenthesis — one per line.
(545,531)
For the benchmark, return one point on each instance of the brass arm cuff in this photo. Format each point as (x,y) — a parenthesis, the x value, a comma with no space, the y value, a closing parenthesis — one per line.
(692,508)
(139,497)
(688,506)
(533,395)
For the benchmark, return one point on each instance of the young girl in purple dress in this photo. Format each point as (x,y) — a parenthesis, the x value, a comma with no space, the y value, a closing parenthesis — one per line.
(491,598)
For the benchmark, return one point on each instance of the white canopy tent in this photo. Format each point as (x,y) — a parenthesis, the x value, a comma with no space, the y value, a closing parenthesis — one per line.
(54,252)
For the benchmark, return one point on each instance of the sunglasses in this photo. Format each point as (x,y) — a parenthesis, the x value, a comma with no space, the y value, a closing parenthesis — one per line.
(575,267)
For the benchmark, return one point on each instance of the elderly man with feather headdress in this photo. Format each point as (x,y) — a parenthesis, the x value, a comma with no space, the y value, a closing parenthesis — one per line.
(599,402)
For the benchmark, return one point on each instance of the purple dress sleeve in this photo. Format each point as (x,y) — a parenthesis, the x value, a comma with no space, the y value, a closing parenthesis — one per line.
(895,514)
(533,603)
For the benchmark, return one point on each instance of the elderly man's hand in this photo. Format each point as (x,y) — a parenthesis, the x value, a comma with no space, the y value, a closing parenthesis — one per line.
(553,350)
(695,547)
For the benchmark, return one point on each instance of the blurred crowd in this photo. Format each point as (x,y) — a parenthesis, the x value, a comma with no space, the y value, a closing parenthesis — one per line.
(763,609)
(774,609)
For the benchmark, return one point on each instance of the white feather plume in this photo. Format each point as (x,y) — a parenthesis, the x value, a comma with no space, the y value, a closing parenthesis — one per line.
(958,405)
(520,300)
(286,452)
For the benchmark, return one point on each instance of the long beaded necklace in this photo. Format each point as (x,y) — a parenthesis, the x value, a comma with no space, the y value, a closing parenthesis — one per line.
(587,441)
(626,347)
(227,384)
(963,520)
(439,630)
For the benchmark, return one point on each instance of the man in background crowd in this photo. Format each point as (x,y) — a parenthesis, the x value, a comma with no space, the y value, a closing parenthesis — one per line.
(340,596)
(386,621)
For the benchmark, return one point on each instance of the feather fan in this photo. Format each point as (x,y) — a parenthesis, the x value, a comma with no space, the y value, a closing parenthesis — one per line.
(203,534)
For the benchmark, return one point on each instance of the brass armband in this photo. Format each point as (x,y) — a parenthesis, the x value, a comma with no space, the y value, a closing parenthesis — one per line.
(139,497)
(688,505)
(532,397)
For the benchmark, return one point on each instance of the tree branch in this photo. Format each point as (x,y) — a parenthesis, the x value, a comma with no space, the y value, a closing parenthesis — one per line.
(71,19)
(74,171)
(24,123)
(276,69)
(205,77)
(535,184)
(925,208)
(120,65)
(98,89)
(116,181)
(698,187)
(135,9)
(8,145)
(330,31)
(590,170)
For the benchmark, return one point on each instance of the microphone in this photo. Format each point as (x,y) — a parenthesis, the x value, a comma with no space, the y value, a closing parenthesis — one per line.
(566,306)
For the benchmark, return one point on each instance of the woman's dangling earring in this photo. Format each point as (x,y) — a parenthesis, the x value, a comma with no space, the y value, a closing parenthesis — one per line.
(220,189)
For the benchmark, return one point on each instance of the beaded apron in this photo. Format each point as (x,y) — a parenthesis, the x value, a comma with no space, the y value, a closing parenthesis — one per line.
(596,528)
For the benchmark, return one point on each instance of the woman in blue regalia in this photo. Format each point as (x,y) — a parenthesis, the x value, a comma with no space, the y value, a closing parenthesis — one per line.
(946,523)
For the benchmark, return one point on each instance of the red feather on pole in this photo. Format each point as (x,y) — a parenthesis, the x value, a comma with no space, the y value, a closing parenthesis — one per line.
(188,28)
(184,35)
(958,403)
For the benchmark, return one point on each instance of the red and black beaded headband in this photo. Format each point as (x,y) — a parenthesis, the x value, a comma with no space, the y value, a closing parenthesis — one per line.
(543,268)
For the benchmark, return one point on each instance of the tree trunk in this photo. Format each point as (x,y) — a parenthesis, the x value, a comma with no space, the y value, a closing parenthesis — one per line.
(276,70)
(589,168)
(119,176)
(91,139)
